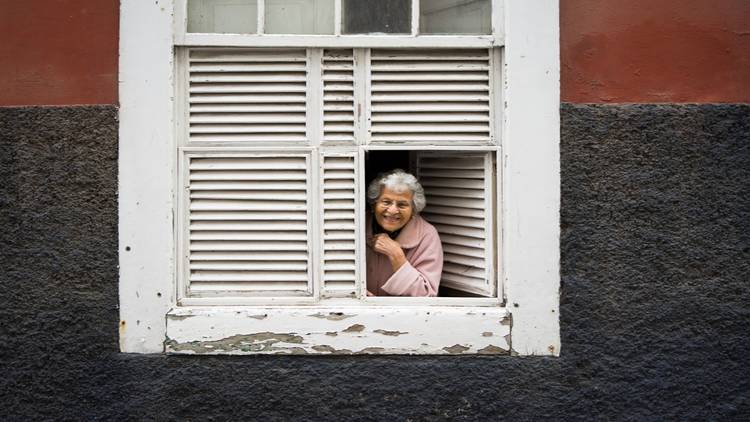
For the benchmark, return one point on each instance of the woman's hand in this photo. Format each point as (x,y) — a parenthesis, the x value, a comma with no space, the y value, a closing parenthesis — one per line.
(383,244)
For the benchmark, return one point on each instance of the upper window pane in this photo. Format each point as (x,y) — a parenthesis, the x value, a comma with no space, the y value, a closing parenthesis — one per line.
(455,17)
(299,16)
(368,16)
(223,16)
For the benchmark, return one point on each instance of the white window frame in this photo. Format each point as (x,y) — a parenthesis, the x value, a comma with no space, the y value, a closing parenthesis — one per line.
(528,171)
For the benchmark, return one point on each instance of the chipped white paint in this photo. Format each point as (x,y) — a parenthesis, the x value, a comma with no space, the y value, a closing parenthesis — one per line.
(146,174)
(339,330)
(531,191)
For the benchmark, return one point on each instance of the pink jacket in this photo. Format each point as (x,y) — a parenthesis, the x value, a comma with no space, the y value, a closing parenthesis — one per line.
(420,275)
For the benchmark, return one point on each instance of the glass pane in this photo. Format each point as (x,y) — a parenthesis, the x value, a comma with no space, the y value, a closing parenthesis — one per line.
(455,17)
(367,16)
(223,16)
(299,16)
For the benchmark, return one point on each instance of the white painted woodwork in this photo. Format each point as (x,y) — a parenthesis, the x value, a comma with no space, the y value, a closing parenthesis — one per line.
(247,95)
(341,41)
(430,96)
(341,224)
(460,203)
(248,225)
(146,179)
(338,330)
(531,191)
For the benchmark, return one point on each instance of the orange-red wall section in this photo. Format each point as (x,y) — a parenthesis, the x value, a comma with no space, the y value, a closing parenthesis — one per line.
(58,52)
(646,51)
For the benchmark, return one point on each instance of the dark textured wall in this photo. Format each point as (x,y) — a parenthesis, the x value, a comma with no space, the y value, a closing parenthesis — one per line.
(655,298)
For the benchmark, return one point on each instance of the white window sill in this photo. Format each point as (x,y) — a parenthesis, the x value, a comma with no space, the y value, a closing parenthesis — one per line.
(326,330)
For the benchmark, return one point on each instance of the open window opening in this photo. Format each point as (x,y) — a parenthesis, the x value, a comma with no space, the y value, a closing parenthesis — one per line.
(461,204)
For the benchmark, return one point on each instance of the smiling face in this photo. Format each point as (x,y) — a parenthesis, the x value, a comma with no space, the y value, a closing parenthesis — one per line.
(393,209)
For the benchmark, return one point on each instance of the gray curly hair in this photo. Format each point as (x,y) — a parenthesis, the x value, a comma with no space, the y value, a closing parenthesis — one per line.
(399,181)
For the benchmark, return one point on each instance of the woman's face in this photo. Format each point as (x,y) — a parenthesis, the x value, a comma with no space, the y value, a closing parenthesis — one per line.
(393,209)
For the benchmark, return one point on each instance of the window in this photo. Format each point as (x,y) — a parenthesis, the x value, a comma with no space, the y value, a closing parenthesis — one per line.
(248,236)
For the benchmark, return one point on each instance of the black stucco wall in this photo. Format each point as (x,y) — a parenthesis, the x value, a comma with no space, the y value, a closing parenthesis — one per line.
(655,297)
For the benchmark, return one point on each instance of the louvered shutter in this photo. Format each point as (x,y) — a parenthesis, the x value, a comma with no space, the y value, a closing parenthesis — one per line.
(248,225)
(430,96)
(459,205)
(340,224)
(250,95)
(338,96)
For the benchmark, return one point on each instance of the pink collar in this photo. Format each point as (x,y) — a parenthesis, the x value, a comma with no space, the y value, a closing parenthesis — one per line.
(410,235)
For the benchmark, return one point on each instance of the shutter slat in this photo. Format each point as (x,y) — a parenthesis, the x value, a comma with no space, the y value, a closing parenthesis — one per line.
(244,118)
(221,99)
(418,116)
(247,128)
(265,256)
(426,76)
(445,106)
(210,77)
(247,55)
(423,128)
(201,225)
(221,236)
(246,108)
(247,266)
(239,246)
(411,86)
(260,287)
(235,137)
(291,67)
(246,216)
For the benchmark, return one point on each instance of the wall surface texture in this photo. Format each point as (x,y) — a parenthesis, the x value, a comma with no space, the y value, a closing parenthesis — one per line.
(62,52)
(655,242)
(655,263)
(646,51)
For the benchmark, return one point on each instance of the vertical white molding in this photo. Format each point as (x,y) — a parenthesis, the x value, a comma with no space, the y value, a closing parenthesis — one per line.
(337,24)
(531,146)
(415,17)
(146,174)
(498,21)
(180,20)
(261,16)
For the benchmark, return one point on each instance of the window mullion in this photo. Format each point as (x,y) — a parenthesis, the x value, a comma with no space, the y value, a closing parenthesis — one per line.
(337,18)
(415,17)
(261,17)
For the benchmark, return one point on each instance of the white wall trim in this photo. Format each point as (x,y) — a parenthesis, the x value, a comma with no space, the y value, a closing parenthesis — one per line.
(146,174)
(531,185)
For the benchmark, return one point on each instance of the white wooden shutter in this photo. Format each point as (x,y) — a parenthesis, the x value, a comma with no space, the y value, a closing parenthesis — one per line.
(340,224)
(338,96)
(430,96)
(458,187)
(252,95)
(248,225)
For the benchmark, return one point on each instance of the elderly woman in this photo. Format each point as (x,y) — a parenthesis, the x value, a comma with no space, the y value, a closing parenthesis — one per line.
(404,253)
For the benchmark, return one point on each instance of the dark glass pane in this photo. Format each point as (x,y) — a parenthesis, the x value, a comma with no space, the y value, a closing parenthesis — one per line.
(368,16)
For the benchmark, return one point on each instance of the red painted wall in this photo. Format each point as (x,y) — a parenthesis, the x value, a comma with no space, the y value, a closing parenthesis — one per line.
(646,51)
(58,52)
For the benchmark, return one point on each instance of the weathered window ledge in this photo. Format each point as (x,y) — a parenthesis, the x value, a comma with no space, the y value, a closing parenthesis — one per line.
(338,330)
